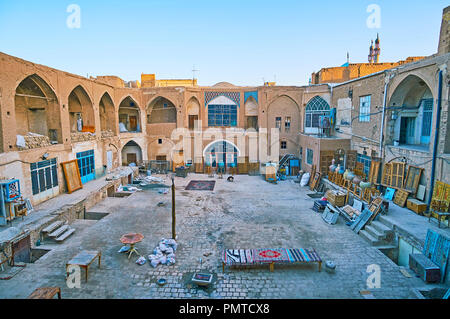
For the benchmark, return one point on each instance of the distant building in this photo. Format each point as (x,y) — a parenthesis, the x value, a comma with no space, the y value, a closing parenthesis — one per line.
(149,80)
(350,71)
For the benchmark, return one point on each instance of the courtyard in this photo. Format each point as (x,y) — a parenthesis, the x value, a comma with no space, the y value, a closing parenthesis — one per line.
(246,213)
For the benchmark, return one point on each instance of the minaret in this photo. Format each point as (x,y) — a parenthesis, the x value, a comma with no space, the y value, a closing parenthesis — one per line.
(377,50)
(371,55)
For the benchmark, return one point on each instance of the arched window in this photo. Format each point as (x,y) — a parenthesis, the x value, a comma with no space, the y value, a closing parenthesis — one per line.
(222,112)
(315,108)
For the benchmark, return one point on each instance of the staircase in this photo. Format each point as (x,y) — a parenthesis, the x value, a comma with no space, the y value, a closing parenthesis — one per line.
(379,233)
(284,160)
(58,231)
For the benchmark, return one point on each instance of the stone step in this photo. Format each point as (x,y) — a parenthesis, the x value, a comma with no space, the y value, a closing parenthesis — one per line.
(374,232)
(381,227)
(368,237)
(52,226)
(383,220)
(66,234)
(59,231)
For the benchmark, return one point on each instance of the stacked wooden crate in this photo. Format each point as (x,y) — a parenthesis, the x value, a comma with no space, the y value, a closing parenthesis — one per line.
(336,198)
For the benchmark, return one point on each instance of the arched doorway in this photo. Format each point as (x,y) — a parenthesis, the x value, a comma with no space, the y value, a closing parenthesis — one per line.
(131,153)
(193,112)
(81,111)
(161,110)
(221,152)
(251,113)
(107,118)
(37,109)
(411,113)
(129,116)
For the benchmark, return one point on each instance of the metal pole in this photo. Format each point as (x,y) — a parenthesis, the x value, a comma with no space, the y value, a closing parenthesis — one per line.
(436,139)
(386,82)
(173,209)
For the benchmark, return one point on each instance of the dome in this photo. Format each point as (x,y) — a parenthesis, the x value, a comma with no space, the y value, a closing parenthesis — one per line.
(224,84)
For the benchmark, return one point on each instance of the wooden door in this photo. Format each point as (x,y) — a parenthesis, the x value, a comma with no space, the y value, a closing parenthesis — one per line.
(192,119)
(131,158)
(133,123)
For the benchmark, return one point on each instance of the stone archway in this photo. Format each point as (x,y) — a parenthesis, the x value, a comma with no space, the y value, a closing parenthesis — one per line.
(131,153)
(161,110)
(129,116)
(410,113)
(37,109)
(107,115)
(81,111)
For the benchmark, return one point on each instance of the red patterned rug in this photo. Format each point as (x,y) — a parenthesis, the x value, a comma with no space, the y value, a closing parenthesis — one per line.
(271,255)
(200,186)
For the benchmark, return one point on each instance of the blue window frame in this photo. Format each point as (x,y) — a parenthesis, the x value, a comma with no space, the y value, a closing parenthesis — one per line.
(366,161)
(44,175)
(222,115)
(364,108)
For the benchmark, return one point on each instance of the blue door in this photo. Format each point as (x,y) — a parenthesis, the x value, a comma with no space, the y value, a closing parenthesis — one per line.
(86,165)
(294,166)
(426,121)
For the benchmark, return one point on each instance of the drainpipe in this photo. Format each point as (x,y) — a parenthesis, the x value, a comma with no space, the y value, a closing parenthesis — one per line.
(386,84)
(436,138)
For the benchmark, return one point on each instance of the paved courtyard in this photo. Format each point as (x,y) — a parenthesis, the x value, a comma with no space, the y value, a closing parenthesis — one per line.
(249,213)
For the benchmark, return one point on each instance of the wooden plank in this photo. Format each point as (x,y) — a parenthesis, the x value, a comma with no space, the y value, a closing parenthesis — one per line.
(45,293)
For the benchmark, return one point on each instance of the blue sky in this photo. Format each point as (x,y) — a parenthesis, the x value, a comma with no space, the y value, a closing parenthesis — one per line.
(242,42)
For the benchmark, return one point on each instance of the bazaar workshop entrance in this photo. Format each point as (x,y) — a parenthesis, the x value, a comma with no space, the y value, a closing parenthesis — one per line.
(221,153)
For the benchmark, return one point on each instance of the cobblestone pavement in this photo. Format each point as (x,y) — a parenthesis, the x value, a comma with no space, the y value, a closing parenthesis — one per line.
(249,213)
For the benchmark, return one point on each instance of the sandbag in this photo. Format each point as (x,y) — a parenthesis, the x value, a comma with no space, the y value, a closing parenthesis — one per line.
(154,262)
(305,179)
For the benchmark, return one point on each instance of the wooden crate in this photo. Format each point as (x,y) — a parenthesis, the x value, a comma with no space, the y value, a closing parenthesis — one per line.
(336,198)
(416,206)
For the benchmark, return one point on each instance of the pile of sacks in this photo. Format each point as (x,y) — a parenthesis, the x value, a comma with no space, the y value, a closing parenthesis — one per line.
(82,136)
(164,253)
(32,140)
